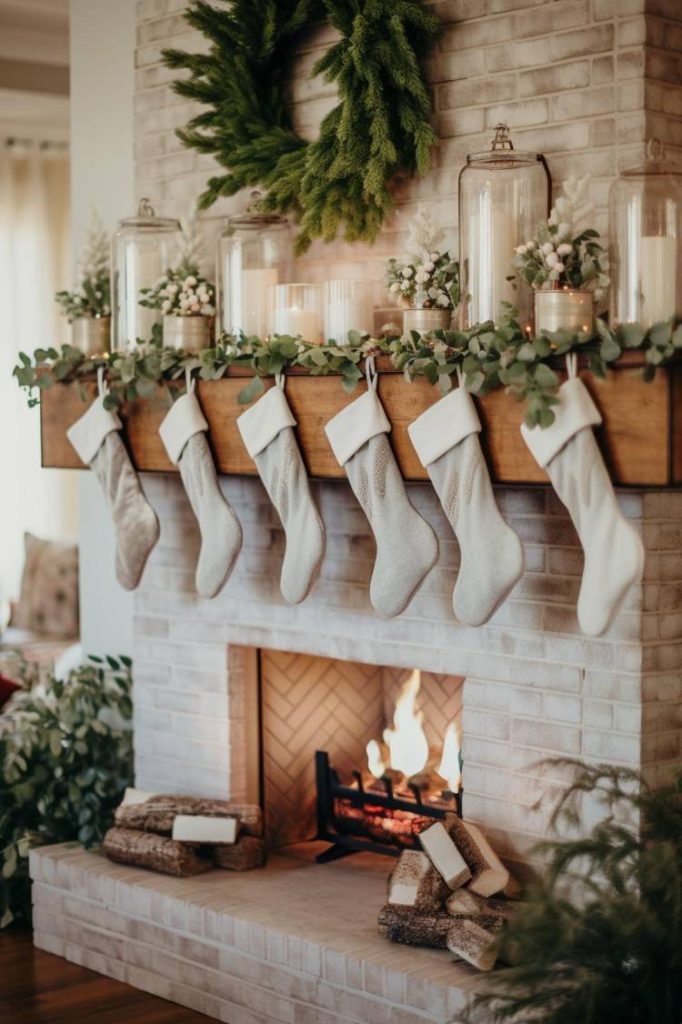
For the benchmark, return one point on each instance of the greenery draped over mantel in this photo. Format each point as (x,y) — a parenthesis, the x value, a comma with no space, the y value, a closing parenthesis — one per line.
(488,356)
(381,125)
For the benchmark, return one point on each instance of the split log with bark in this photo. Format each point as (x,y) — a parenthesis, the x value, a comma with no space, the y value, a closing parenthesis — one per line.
(158,813)
(247,853)
(158,853)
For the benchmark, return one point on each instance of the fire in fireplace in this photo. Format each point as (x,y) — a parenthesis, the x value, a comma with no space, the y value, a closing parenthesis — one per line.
(385,730)
(407,784)
(406,757)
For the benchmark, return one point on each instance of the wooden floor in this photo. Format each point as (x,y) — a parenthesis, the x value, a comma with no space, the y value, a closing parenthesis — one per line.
(38,988)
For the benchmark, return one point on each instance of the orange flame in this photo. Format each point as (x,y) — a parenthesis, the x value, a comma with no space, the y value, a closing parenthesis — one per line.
(375,761)
(448,768)
(406,741)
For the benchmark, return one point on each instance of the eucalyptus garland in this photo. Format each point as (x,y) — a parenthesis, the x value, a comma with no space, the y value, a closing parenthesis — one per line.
(488,356)
(381,124)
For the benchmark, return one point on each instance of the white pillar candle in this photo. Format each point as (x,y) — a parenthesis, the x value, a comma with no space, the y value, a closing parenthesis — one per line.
(297,311)
(348,307)
(255,307)
(143,268)
(295,321)
(492,239)
(658,279)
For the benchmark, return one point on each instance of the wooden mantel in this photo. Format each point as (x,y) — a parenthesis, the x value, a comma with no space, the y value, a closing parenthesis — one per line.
(641,436)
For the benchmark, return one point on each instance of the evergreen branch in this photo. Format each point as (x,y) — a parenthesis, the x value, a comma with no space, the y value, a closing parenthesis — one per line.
(381,125)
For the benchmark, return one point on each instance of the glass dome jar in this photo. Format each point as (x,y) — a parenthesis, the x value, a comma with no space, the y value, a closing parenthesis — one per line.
(503,195)
(254,256)
(143,249)
(645,228)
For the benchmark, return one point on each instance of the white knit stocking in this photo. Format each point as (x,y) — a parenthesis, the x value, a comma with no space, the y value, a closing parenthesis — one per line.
(183,433)
(267,432)
(407,548)
(614,555)
(96,438)
(445,438)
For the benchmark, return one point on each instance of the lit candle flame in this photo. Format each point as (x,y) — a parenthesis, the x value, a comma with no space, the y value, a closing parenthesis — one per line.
(406,741)
(448,768)
(375,761)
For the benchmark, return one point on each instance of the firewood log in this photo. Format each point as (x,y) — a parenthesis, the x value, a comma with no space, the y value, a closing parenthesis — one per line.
(414,882)
(465,903)
(158,813)
(250,815)
(466,939)
(444,855)
(473,940)
(147,850)
(413,928)
(247,853)
(489,874)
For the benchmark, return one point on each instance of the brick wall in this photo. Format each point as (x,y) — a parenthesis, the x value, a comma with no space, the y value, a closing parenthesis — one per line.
(585,82)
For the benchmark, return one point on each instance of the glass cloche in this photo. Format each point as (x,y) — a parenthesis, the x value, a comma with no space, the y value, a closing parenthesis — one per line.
(143,248)
(645,227)
(254,255)
(503,195)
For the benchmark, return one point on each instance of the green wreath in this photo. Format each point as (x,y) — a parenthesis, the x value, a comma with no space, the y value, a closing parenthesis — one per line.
(381,125)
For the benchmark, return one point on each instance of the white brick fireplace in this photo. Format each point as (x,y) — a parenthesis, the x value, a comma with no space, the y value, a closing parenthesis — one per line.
(297,943)
(534,687)
(586,82)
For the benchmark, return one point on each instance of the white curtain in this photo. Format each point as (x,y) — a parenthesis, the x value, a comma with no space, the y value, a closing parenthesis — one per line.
(34,263)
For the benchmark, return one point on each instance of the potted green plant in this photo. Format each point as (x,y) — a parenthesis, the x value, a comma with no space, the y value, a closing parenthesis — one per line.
(565,265)
(427,285)
(66,757)
(185,297)
(599,940)
(88,306)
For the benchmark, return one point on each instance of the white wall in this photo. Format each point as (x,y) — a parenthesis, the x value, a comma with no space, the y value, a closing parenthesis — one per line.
(102,77)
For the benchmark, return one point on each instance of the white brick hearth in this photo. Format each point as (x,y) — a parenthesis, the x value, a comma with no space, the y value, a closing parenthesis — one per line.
(293,944)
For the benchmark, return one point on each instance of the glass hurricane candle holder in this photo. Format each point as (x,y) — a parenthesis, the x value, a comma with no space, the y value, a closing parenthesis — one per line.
(143,248)
(254,255)
(348,306)
(645,217)
(503,195)
(297,311)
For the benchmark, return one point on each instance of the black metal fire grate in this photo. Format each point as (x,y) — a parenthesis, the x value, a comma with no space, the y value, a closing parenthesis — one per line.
(350,832)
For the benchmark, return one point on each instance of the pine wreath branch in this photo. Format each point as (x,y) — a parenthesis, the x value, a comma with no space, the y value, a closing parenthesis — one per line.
(340,182)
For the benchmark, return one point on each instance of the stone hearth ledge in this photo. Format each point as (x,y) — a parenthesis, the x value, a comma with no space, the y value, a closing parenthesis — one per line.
(294,943)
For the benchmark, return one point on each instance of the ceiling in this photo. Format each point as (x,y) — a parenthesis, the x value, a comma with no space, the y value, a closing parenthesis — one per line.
(34,75)
(35,30)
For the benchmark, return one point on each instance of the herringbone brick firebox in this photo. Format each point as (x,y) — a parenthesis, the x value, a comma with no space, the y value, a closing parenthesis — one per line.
(310,703)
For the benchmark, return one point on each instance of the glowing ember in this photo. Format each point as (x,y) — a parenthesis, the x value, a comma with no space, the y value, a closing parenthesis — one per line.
(448,768)
(374,760)
(406,741)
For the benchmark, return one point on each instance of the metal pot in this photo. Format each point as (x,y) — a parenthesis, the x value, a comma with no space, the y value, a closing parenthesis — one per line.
(91,334)
(424,320)
(564,309)
(190,333)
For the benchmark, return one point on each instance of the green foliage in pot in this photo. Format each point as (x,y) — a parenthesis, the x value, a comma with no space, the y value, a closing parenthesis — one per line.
(91,296)
(600,940)
(66,756)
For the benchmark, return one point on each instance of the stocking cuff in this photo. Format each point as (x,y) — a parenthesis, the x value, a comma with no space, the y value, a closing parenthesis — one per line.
(355,425)
(88,432)
(184,420)
(261,424)
(575,411)
(443,426)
